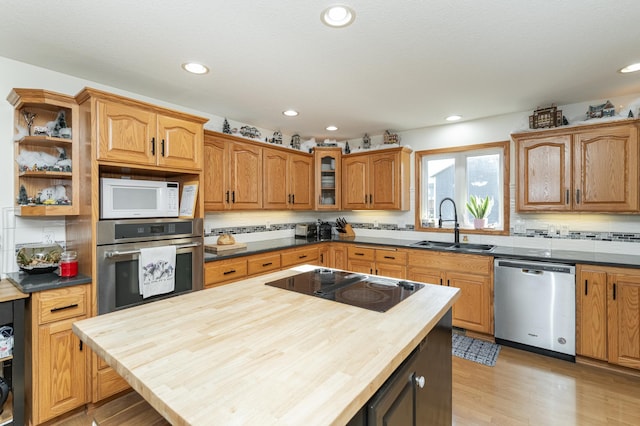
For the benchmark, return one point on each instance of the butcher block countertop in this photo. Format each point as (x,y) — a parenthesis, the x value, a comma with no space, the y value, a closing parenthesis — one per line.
(250,354)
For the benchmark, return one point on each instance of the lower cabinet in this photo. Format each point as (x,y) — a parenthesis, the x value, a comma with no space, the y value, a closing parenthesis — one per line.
(57,362)
(107,382)
(608,314)
(419,391)
(472,274)
(389,262)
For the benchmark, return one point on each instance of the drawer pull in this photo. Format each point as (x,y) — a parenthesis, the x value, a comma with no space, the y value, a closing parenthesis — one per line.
(302,256)
(359,254)
(74,305)
(233,271)
(390,257)
(267,264)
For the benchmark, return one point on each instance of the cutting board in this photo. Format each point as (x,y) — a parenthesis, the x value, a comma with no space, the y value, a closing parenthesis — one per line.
(217,248)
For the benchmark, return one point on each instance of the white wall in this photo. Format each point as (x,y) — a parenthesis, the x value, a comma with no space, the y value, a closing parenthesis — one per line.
(16,230)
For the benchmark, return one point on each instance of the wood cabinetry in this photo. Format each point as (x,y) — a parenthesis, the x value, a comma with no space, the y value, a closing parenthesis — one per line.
(608,314)
(388,262)
(224,271)
(138,135)
(586,168)
(472,274)
(232,173)
(378,181)
(300,256)
(31,179)
(57,362)
(287,181)
(328,178)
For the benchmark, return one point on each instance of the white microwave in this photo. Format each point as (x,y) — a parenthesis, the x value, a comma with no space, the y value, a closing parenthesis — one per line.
(130,198)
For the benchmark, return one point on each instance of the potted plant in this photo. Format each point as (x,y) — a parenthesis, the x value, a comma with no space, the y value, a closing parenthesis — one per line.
(480,208)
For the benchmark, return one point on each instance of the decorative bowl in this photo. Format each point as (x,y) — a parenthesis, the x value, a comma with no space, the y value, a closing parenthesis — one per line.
(39,258)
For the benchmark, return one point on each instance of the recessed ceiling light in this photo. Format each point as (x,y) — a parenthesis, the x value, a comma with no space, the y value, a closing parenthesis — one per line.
(630,68)
(337,16)
(290,113)
(331,128)
(453,117)
(195,68)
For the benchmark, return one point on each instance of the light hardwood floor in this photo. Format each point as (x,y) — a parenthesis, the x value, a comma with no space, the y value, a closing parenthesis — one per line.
(529,389)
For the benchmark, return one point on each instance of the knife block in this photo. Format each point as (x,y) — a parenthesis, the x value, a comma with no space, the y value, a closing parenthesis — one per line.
(348,232)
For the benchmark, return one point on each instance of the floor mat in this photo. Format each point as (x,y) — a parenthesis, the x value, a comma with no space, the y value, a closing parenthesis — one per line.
(476,350)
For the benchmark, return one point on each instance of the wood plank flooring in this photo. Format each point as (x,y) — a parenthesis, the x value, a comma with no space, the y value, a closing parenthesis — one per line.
(529,389)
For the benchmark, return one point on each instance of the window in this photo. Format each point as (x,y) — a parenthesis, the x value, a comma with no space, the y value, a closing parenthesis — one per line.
(458,173)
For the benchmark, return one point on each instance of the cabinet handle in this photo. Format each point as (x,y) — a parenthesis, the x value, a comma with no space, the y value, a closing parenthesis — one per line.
(370,198)
(448,283)
(321,257)
(614,291)
(227,197)
(153,146)
(80,345)
(390,257)
(302,256)
(586,287)
(75,305)
(359,254)
(577,196)
(267,264)
(419,381)
(289,198)
(233,271)
(293,198)
(376,272)
(365,198)
(567,197)
(233,196)
(440,281)
(162,148)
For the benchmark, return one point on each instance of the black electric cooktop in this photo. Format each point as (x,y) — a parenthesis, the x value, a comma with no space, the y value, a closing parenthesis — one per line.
(374,293)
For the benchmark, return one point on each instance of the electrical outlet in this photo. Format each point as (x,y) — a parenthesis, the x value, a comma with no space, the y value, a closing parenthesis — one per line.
(268,225)
(48,236)
(376,224)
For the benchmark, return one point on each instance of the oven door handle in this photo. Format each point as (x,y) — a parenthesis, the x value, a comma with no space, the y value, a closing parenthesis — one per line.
(116,253)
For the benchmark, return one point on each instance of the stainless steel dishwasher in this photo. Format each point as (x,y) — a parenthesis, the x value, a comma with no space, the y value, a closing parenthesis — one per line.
(534,306)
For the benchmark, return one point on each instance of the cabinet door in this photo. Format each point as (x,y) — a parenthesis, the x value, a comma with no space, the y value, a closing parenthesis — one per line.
(591,313)
(392,270)
(301,181)
(384,181)
(276,193)
(224,271)
(62,371)
(325,256)
(606,169)
(215,176)
(624,319)
(246,176)
(180,143)
(474,309)
(126,134)
(361,266)
(328,178)
(544,173)
(340,256)
(355,189)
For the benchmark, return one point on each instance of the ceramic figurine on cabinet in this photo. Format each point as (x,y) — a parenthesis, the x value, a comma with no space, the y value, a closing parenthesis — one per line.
(295,141)
(226,128)
(366,141)
(277,137)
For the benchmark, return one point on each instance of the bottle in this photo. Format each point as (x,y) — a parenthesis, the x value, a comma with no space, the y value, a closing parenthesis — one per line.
(347,150)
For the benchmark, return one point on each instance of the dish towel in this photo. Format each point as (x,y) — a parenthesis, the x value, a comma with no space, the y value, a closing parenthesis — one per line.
(156,270)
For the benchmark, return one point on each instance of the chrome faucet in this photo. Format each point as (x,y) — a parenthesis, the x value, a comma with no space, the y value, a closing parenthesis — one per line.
(456,227)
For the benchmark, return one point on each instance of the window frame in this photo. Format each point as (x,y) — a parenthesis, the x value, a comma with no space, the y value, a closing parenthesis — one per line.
(506,178)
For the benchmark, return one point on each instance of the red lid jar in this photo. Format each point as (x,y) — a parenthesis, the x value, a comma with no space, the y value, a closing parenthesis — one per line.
(68,264)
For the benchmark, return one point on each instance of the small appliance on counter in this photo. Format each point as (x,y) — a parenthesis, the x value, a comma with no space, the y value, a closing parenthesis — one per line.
(325,231)
(308,231)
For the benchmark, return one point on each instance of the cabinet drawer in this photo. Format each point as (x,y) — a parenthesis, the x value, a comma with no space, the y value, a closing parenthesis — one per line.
(262,264)
(391,255)
(299,256)
(469,263)
(224,270)
(363,253)
(61,303)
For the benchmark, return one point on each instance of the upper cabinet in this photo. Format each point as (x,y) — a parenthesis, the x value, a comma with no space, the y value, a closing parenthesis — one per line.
(376,181)
(46,153)
(587,168)
(232,173)
(287,180)
(328,178)
(141,135)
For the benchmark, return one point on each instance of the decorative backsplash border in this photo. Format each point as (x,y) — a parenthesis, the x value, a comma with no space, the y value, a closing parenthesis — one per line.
(530,233)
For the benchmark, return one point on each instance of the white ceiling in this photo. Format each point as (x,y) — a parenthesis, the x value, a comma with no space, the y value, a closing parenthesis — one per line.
(401,65)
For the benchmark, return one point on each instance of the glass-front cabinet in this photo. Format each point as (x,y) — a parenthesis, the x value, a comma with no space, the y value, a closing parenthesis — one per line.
(328,178)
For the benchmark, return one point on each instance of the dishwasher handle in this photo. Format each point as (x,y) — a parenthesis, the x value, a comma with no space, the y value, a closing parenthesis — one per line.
(536,267)
(532,271)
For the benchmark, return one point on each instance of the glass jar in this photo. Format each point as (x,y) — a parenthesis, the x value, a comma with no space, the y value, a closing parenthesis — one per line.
(68,264)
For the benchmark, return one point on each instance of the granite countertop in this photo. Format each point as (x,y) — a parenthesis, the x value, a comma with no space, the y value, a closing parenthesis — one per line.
(29,283)
(239,352)
(562,256)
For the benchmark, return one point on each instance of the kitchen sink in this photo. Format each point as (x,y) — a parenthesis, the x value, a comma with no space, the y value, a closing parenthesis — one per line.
(462,247)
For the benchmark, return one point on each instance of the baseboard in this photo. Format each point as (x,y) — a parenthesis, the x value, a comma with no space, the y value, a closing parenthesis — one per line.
(604,365)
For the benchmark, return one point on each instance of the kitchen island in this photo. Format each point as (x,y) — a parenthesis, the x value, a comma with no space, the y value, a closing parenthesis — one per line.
(247,353)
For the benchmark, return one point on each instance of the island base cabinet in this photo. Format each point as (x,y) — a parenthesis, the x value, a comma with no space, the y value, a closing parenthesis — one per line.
(419,391)
(107,382)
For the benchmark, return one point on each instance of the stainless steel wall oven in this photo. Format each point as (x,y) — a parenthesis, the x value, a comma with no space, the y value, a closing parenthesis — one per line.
(118,249)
